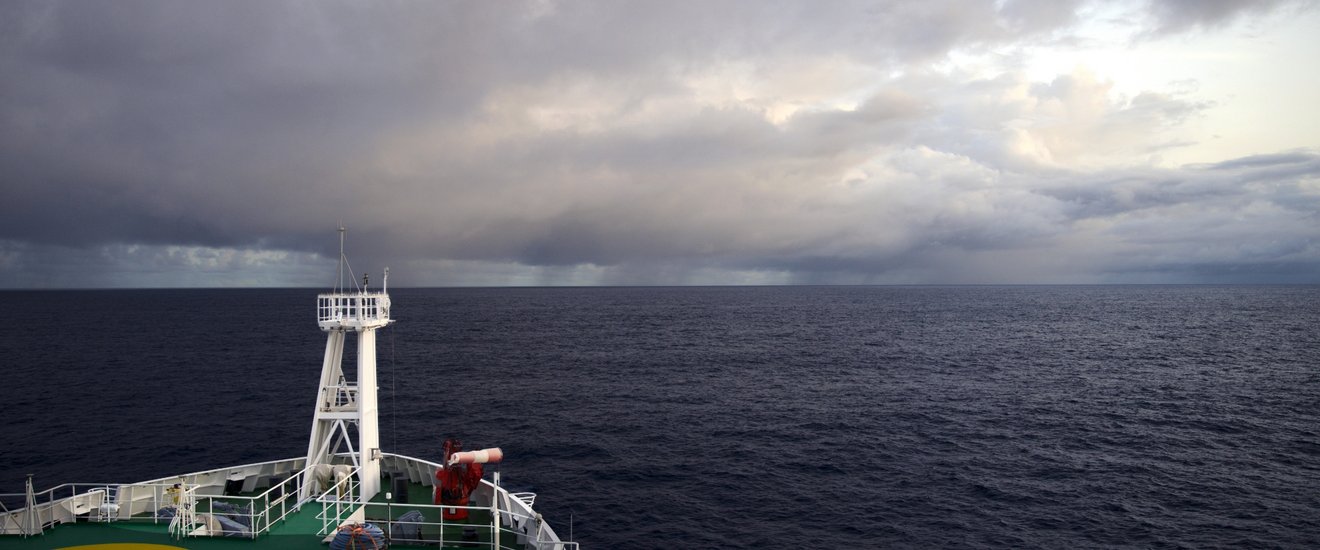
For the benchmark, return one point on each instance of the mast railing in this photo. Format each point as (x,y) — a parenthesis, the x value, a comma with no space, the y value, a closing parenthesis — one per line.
(352,310)
(339,398)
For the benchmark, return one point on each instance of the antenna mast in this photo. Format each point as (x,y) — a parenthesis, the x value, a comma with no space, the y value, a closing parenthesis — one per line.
(339,283)
(341,402)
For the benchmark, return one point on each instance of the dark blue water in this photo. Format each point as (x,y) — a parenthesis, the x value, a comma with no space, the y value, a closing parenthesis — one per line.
(800,417)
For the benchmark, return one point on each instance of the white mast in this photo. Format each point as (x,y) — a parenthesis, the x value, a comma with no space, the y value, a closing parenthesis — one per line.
(340,402)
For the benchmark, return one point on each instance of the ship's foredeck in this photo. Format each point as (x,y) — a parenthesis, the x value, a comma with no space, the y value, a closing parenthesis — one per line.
(403,510)
(298,530)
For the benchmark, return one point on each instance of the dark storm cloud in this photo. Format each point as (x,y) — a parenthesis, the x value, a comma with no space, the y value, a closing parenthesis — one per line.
(643,140)
(1296,159)
(1173,16)
(1254,178)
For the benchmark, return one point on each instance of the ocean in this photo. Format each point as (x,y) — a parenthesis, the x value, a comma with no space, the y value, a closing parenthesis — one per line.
(737,417)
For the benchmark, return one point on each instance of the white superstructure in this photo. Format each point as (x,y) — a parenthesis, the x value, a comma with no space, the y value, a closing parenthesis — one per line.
(341,403)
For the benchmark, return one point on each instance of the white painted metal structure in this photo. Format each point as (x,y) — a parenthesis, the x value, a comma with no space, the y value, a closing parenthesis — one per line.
(340,402)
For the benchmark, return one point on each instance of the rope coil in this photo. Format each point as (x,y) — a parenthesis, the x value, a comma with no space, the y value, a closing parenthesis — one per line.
(359,536)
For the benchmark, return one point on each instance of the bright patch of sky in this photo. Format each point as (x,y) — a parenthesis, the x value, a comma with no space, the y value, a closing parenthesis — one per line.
(1251,73)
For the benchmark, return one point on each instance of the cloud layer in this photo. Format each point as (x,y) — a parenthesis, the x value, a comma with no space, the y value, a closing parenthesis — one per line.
(620,143)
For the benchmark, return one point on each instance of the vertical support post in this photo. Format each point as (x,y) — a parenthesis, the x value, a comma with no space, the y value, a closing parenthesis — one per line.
(368,428)
(495,511)
(31,518)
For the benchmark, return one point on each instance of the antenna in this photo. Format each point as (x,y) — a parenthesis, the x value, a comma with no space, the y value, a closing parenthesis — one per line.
(339,283)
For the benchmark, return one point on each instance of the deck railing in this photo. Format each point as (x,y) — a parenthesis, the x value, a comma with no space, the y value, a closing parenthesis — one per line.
(339,503)
(513,522)
(159,501)
(279,502)
(106,502)
(508,529)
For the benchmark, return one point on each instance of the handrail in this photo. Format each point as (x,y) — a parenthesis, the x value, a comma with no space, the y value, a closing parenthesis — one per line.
(545,534)
(352,309)
(521,527)
(129,501)
(230,468)
(103,501)
(342,396)
(281,500)
(342,497)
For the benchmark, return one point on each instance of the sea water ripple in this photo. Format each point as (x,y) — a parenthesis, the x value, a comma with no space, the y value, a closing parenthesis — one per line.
(761,417)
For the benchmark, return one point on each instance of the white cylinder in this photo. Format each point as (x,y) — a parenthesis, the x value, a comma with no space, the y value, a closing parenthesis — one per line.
(477,457)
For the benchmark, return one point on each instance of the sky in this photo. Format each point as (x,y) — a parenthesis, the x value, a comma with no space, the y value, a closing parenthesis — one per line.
(221,144)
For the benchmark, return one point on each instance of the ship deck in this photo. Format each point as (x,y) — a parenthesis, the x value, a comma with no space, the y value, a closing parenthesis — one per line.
(297,530)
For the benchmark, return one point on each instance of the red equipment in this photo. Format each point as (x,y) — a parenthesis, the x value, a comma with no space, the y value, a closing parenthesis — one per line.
(455,481)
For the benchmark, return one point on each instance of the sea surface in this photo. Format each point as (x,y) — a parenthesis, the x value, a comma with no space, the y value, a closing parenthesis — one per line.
(734,417)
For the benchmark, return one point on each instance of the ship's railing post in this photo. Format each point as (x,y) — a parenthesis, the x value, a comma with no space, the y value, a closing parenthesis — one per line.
(495,513)
(30,516)
(254,521)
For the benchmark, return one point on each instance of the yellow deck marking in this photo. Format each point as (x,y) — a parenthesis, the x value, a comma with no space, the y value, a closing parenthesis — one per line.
(123,546)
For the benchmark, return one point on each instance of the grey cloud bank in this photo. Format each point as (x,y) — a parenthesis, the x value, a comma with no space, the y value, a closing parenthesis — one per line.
(217,144)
